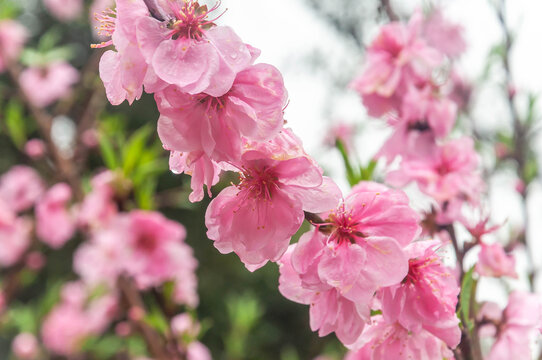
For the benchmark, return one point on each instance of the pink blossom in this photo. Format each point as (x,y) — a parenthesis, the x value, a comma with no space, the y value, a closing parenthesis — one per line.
(521,321)
(186,49)
(253,107)
(184,325)
(383,341)
(450,173)
(122,71)
(20,188)
(338,273)
(443,35)
(35,148)
(12,38)
(98,207)
(15,236)
(198,351)
(256,218)
(424,108)
(203,170)
(55,225)
(65,328)
(64,10)
(398,56)
(145,246)
(45,85)
(25,346)
(427,297)
(493,261)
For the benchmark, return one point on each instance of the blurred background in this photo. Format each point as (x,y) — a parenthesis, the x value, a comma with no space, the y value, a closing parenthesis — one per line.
(319,47)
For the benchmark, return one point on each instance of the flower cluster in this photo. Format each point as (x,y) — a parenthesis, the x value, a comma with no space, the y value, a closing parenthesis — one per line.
(139,245)
(219,111)
(400,82)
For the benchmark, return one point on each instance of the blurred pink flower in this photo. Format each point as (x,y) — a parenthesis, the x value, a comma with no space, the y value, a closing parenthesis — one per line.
(98,207)
(397,58)
(20,188)
(65,10)
(35,148)
(144,245)
(383,341)
(198,351)
(443,35)
(45,85)
(55,225)
(75,318)
(493,261)
(15,236)
(25,346)
(521,320)
(451,173)
(12,38)
(427,298)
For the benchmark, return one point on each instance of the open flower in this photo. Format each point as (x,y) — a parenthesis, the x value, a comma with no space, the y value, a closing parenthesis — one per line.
(185,48)
(398,56)
(337,268)
(253,108)
(256,218)
(383,341)
(427,296)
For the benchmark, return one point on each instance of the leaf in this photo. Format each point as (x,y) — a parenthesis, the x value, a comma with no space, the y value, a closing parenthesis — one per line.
(108,152)
(15,123)
(133,149)
(156,319)
(367,172)
(352,178)
(465,298)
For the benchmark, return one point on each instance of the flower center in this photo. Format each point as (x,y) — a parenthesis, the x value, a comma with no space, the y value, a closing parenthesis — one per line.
(258,183)
(417,269)
(146,243)
(190,20)
(344,228)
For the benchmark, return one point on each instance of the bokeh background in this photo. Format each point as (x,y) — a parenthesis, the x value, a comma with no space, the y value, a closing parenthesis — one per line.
(319,47)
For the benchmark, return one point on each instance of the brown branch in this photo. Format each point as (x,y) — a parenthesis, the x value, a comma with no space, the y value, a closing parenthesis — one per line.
(133,300)
(388,9)
(520,137)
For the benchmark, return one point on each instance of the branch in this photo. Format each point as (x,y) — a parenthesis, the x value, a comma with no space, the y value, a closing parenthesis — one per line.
(388,9)
(155,343)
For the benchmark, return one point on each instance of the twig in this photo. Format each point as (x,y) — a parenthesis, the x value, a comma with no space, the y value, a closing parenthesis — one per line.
(386,6)
(520,138)
(131,296)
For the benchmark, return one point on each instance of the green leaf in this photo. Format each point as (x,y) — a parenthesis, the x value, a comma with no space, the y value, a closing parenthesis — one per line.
(8,9)
(352,178)
(108,152)
(23,319)
(156,319)
(465,299)
(367,172)
(133,149)
(15,123)
(144,194)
